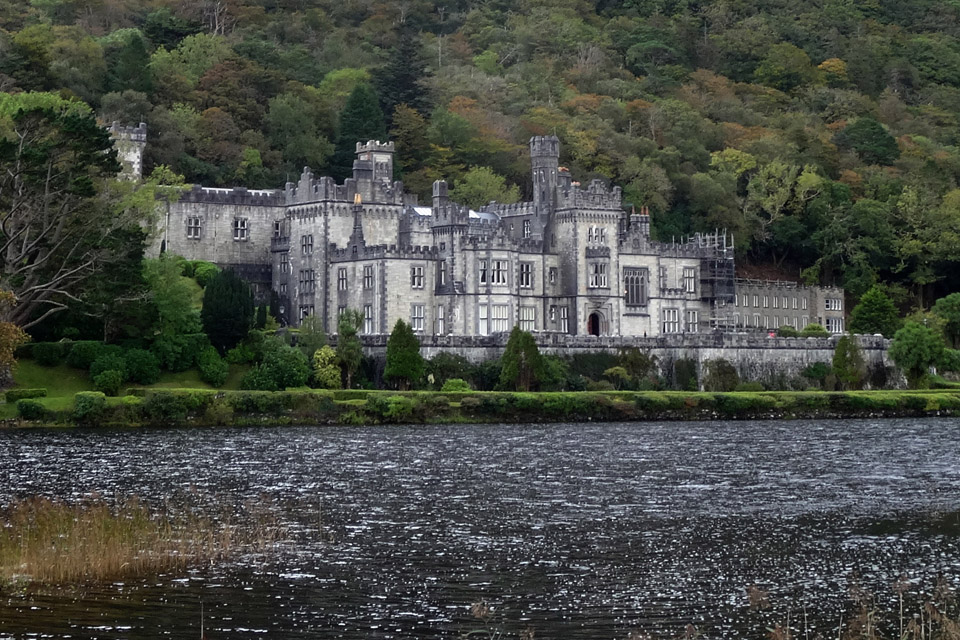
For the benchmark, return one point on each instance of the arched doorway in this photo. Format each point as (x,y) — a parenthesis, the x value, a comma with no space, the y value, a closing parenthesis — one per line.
(593,324)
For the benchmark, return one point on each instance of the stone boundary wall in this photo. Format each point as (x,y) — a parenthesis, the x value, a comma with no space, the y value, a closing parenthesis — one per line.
(756,357)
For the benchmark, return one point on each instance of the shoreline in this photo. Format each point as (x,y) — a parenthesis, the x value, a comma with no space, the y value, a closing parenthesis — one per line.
(206,408)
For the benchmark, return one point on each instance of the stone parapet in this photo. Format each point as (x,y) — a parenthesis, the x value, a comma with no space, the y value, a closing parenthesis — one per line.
(235,196)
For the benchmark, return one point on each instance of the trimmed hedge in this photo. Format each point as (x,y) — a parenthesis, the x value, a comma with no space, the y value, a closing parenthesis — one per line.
(21,394)
(31,409)
(88,405)
(50,354)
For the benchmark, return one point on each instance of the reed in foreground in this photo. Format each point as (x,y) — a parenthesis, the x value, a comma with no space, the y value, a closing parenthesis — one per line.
(52,542)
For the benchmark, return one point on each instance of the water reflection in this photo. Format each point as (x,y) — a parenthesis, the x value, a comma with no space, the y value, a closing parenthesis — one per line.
(578,531)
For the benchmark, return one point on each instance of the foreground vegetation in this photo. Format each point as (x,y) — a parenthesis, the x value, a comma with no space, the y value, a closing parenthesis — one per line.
(49,542)
(173,407)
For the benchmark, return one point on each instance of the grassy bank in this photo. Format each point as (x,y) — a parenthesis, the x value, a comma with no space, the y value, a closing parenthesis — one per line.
(168,406)
(48,542)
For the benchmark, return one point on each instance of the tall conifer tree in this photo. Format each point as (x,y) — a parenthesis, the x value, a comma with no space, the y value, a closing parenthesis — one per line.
(228,311)
(360,120)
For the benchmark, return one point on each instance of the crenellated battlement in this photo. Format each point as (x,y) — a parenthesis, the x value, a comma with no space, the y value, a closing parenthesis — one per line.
(595,196)
(407,252)
(510,210)
(234,196)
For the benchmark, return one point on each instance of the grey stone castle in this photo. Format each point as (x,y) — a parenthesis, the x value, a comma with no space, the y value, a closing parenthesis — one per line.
(573,261)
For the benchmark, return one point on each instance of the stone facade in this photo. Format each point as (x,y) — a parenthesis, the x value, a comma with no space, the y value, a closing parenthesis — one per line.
(572,262)
(129,143)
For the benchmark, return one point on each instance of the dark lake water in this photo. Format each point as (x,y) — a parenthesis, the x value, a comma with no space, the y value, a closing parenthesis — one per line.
(575,531)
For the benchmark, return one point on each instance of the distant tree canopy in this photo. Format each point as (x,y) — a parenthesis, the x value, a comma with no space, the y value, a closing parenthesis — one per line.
(831,156)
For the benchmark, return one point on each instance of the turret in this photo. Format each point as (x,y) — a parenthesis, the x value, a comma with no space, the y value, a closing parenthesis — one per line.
(374,161)
(544,162)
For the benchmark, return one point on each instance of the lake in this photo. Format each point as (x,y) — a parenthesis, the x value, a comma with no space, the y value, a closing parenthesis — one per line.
(573,531)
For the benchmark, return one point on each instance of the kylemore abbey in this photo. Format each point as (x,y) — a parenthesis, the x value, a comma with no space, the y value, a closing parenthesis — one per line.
(574,261)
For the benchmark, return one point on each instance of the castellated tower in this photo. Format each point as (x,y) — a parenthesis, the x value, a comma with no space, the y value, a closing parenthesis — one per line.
(374,161)
(129,142)
(545,162)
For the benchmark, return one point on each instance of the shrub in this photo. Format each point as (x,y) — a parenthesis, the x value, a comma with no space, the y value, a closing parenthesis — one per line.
(22,394)
(817,371)
(257,379)
(283,366)
(749,386)
(170,407)
(109,382)
(31,409)
(600,385)
(720,375)
(685,374)
(82,354)
(109,362)
(88,405)
(455,385)
(142,366)
(213,369)
(179,352)
(786,331)
(49,354)
(326,370)
(203,272)
(243,353)
(814,330)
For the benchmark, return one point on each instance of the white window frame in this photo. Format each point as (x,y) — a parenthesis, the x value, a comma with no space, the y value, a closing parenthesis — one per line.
(441,320)
(690,279)
(498,272)
(342,279)
(368,277)
(416,277)
(526,275)
(598,276)
(417,317)
(284,262)
(635,280)
(483,320)
(692,321)
(528,318)
(368,318)
(241,229)
(500,318)
(526,228)
(194,228)
(671,320)
(306,244)
(564,319)
(482,271)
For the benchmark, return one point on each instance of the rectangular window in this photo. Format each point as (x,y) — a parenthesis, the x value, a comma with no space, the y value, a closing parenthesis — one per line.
(766,322)
(805,320)
(553,275)
(598,275)
(528,318)
(635,287)
(417,317)
(766,301)
(283,288)
(306,310)
(308,280)
(553,313)
(526,228)
(834,304)
(663,281)
(803,303)
(756,321)
(483,323)
(441,317)
(498,275)
(526,275)
(241,229)
(306,245)
(693,322)
(776,322)
(278,229)
(501,318)
(603,235)
(416,277)
(368,277)
(284,262)
(564,320)
(756,301)
(689,279)
(341,279)
(443,273)
(341,310)
(482,270)
(745,301)
(834,325)
(368,318)
(671,321)
(193,227)
(776,302)
(783,301)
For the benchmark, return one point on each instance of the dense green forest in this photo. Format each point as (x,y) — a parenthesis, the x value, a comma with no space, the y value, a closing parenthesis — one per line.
(822,134)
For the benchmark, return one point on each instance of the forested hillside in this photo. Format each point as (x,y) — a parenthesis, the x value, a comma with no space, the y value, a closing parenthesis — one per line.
(823,134)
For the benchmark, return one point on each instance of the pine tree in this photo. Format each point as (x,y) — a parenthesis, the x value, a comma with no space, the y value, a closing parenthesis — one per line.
(360,120)
(400,80)
(405,365)
(261,320)
(129,69)
(228,310)
(522,363)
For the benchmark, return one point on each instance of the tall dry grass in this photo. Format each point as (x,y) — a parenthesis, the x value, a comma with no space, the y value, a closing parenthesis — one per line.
(52,542)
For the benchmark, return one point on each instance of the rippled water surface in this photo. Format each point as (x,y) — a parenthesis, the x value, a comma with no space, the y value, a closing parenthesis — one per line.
(575,531)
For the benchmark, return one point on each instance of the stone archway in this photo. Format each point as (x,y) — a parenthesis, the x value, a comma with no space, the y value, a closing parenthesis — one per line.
(593,324)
